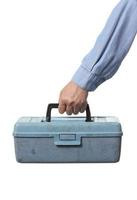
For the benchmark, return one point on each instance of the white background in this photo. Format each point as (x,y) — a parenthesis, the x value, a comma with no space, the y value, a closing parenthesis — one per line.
(42,44)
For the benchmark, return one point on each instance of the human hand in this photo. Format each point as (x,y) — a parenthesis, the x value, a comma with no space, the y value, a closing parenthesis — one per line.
(72,99)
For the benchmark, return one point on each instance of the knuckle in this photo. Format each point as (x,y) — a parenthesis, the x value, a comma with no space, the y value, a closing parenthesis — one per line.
(76,103)
(82,102)
(69,102)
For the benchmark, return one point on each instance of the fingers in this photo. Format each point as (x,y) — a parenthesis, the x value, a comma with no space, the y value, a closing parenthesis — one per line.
(79,108)
(65,107)
(83,107)
(76,109)
(69,110)
(61,108)
(72,109)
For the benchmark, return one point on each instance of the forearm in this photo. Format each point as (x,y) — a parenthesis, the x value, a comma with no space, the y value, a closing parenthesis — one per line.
(111,46)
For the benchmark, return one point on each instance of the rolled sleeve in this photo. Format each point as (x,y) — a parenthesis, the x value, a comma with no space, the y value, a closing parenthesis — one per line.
(87,80)
(111,47)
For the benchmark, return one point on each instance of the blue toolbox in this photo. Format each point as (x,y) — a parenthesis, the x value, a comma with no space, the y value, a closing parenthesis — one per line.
(67,139)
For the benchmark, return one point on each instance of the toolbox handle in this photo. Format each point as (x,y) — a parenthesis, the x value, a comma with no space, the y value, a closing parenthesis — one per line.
(55,105)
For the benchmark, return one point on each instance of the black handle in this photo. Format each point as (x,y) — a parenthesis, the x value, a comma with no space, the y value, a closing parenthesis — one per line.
(55,105)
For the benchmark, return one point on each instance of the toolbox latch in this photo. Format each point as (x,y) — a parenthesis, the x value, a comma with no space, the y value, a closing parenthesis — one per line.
(67,139)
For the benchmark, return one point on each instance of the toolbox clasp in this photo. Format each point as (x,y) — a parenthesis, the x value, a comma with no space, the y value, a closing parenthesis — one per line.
(68,139)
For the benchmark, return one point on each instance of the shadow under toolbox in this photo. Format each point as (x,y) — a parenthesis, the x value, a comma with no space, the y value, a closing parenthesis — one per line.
(67,139)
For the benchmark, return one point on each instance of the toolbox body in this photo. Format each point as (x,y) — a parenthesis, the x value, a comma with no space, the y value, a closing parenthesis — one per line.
(67,139)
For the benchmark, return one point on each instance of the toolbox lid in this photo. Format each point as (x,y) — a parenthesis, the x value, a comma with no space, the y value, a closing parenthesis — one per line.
(68,127)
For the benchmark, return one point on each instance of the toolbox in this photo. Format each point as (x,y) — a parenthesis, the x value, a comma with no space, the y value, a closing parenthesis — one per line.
(67,139)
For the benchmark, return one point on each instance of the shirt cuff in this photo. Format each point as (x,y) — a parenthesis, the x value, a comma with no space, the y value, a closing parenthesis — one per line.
(87,80)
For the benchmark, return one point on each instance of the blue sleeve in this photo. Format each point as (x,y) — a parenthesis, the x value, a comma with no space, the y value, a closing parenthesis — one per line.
(110,48)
